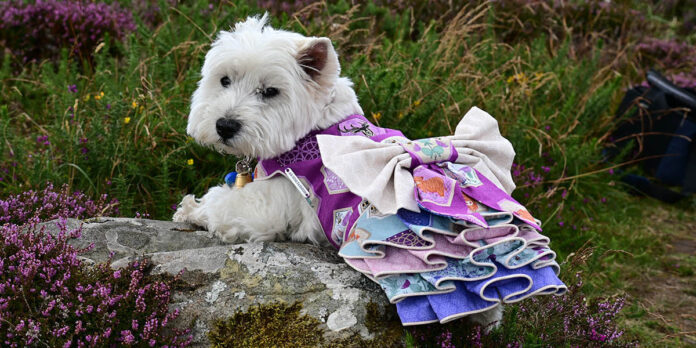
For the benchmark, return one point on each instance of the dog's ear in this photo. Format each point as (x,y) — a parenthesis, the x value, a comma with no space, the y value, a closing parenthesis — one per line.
(318,60)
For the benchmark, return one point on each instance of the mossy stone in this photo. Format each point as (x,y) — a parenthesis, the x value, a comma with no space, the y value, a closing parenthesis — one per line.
(269,325)
(282,325)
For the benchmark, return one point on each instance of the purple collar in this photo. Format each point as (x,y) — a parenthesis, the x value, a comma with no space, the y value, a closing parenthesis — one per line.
(336,206)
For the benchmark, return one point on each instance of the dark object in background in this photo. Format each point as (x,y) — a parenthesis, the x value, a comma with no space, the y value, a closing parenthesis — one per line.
(662,135)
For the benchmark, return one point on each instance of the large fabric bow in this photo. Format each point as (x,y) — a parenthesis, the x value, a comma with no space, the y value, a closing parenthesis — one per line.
(440,174)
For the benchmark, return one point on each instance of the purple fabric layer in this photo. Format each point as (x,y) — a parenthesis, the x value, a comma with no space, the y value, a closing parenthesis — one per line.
(506,286)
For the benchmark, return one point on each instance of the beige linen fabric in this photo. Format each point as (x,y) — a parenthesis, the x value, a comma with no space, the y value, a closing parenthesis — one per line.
(379,172)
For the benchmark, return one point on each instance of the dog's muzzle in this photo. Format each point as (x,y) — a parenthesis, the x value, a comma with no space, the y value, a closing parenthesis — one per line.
(227,127)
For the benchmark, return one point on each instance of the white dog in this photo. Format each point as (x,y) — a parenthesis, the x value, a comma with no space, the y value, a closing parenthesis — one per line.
(263,89)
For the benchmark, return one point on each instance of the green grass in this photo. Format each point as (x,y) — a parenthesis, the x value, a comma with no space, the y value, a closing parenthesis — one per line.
(417,74)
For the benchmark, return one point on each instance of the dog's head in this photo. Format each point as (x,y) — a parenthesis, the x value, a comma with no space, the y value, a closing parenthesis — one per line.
(261,89)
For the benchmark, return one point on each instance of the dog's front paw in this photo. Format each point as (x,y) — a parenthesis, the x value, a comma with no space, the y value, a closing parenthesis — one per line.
(185,211)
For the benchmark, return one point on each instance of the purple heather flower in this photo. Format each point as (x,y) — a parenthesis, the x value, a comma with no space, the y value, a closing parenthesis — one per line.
(33,257)
(43,140)
(72,88)
(127,337)
(76,25)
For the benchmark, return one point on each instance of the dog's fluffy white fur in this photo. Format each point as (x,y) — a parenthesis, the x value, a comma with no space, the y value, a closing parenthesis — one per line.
(240,71)
(311,95)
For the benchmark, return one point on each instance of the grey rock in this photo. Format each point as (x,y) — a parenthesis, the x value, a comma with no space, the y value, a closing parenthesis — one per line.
(125,237)
(225,278)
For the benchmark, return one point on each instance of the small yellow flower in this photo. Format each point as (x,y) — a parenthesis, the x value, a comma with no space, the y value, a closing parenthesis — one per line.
(87,97)
(417,103)
(126,120)
(190,161)
(141,109)
(377,116)
(189,139)
(401,115)
(134,104)
(99,96)
(520,78)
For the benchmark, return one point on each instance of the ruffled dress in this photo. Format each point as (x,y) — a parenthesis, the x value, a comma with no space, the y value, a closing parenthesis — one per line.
(438,266)
(429,220)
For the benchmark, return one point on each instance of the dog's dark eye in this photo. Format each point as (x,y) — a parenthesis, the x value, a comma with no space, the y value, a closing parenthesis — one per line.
(225,81)
(269,92)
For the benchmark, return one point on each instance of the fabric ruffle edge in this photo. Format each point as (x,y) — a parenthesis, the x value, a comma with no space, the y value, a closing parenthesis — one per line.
(437,269)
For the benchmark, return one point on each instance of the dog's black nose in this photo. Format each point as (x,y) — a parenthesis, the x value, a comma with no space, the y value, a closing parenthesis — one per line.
(227,127)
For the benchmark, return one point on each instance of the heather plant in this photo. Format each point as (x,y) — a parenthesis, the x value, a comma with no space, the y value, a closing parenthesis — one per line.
(611,21)
(674,57)
(49,298)
(302,8)
(49,204)
(148,11)
(41,29)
